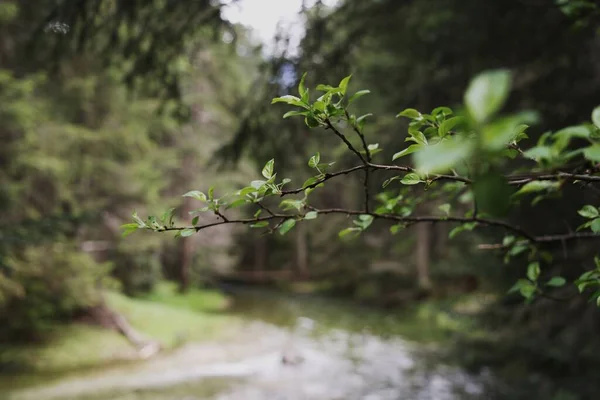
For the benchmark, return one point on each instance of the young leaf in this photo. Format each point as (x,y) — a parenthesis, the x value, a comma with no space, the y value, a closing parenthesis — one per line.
(301,87)
(589,211)
(410,149)
(267,170)
(128,229)
(595,225)
(411,179)
(195,220)
(592,153)
(533,271)
(286,226)
(357,95)
(487,93)
(314,160)
(291,100)
(556,281)
(311,215)
(596,116)
(410,113)
(187,232)
(442,156)
(344,84)
(196,195)
(445,208)
(349,231)
(447,125)
(537,186)
(260,224)
(294,113)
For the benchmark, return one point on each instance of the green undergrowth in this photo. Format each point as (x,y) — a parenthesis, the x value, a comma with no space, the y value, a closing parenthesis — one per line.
(166,316)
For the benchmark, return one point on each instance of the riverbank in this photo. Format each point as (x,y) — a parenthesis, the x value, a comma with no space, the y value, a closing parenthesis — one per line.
(164,315)
(341,347)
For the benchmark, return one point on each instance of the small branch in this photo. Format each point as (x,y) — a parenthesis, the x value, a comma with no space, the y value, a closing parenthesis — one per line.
(545,239)
(220,215)
(523,179)
(345,140)
(261,205)
(327,176)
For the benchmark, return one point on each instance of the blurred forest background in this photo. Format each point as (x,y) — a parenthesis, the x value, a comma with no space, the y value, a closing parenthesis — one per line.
(109,107)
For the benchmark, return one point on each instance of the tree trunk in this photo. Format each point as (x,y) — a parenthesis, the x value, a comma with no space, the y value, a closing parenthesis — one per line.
(301,250)
(423,255)
(260,256)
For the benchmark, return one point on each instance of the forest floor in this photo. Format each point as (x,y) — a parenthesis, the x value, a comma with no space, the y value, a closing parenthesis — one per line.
(164,315)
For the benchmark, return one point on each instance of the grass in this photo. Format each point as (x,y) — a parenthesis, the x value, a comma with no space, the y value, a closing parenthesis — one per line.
(165,315)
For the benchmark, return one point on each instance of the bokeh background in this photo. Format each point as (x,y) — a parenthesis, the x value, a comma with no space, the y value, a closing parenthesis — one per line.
(109,107)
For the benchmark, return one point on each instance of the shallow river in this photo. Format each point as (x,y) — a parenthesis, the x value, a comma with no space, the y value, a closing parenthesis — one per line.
(291,348)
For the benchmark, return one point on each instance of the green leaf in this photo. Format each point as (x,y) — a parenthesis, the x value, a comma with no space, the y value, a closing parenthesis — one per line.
(289,204)
(589,211)
(595,225)
(441,110)
(508,240)
(373,147)
(187,232)
(357,95)
(286,226)
(537,186)
(447,125)
(410,113)
(388,181)
(311,215)
(579,132)
(469,226)
(592,153)
(556,281)
(596,116)
(411,179)
(301,87)
(344,84)
(128,229)
(267,170)
(539,153)
(498,134)
(237,203)
(314,160)
(445,208)
(196,195)
(291,100)
(260,224)
(195,220)
(294,113)
(257,184)
(533,271)
(442,156)
(167,216)
(492,194)
(211,193)
(310,181)
(487,93)
(410,149)
(351,232)
(360,119)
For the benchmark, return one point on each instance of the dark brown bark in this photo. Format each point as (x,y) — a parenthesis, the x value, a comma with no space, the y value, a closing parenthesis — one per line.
(301,250)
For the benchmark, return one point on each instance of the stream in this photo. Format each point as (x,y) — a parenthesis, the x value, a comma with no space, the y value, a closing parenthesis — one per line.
(290,348)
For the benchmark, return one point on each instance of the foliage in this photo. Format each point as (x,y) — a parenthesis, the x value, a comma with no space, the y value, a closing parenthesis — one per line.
(44,284)
(455,153)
